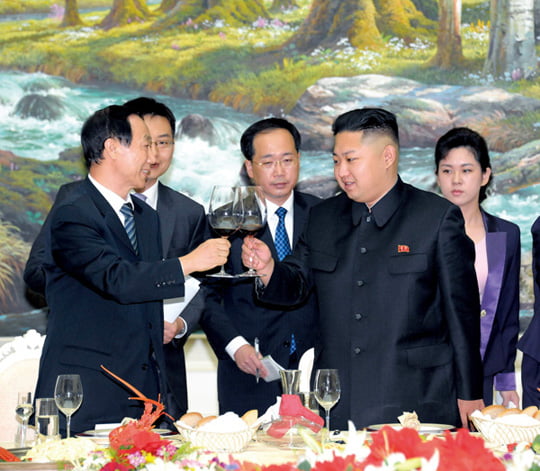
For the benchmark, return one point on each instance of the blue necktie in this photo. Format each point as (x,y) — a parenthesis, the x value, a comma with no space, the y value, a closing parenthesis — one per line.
(129,224)
(283,248)
(281,242)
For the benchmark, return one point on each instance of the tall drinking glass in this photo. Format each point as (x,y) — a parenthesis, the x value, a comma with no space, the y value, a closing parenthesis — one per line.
(327,390)
(24,410)
(68,395)
(253,209)
(223,217)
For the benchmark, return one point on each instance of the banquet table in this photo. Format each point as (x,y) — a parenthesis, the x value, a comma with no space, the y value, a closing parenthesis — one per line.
(260,451)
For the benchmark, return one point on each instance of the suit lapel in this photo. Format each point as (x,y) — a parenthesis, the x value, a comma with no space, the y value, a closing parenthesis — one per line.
(166,218)
(110,217)
(496,255)
(300,216)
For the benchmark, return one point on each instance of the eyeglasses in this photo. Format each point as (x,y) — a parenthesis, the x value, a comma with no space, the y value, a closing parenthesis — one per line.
(162,143)
(287,162)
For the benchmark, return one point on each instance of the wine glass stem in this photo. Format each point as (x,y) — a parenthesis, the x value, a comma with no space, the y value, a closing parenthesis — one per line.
(23,432)
(328,419)
(68,425)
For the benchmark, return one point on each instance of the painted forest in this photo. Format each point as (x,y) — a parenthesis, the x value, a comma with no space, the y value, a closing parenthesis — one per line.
(262,58)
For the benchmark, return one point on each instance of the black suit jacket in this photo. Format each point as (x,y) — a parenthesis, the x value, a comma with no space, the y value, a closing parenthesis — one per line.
(105,305)
(398,302)
(500,305)
(232,310)
(530,341)
(183,227)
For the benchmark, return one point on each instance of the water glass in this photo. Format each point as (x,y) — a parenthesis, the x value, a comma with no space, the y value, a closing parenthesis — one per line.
(290,381)
(46,419)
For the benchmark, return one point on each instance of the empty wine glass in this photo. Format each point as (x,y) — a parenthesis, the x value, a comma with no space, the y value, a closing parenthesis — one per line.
(253,209)
(223,217)
(24,410)
(327,390)
(68,395)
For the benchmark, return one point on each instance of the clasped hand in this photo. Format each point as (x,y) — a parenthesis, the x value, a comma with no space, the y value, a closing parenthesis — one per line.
(210,254)
(249,361)
(256,254)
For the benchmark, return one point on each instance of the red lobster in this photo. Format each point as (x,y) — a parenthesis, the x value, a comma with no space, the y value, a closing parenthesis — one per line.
(123,436)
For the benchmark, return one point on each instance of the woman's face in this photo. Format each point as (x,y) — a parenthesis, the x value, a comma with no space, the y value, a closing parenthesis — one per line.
(460,177)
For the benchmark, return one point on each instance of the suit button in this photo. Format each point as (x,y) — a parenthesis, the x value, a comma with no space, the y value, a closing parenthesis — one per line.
(357,351)
(150,325)
(144,366)
(287,343)
(358,316)
(483,313)
(363,250)
(360,283)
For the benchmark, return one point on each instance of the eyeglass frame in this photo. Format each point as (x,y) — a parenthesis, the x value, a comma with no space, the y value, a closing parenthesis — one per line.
(165,143)
(285,162)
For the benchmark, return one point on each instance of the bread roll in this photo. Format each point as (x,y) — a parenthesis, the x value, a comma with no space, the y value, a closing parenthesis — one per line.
(205,420)
(493,410)
(191,418)
(250,417)
(531,410)
(510,411)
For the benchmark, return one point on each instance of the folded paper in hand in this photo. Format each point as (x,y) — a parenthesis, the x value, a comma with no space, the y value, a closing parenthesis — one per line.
(173,307)
(273,368)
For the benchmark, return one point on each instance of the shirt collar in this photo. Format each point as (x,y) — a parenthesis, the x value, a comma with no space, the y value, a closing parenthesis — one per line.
(112,198)
(383,210)
(288,205)
(151,195)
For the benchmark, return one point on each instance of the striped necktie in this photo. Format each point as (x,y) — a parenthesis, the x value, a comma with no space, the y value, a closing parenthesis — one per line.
(129,224)
(281,240)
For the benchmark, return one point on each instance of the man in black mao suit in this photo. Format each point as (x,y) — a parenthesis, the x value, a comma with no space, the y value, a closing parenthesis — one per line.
(529,343)
(104,288)
(233,319)
(393,274)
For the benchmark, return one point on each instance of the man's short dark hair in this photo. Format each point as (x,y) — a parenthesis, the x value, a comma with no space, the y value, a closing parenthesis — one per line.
(143,106)
(369,120)
(109,122)
(265,125)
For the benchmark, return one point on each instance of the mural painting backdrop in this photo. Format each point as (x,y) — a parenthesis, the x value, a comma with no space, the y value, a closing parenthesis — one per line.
(222,64)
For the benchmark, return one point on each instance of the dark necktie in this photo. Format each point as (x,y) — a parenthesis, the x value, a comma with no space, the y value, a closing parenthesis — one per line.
(281,241)
(283,248)
(129,224)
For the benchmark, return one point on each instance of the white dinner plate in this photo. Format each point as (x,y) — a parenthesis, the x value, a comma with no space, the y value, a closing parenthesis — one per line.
(105,433)
(424,428)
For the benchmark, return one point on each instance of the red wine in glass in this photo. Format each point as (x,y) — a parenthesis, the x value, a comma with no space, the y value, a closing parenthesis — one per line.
(253,209)
(223,217)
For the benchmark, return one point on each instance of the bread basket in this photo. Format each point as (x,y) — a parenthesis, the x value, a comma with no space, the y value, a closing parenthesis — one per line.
(504,434)
(216,441)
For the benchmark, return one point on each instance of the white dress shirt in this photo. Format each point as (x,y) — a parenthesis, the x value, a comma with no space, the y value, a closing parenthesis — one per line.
(272,220)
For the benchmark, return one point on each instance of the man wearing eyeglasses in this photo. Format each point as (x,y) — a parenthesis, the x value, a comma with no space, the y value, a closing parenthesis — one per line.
(183,227)
(233,319)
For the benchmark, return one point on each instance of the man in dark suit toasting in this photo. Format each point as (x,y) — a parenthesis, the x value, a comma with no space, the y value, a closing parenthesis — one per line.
(233,319)
(183,227)
(392,270)
(106,276)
